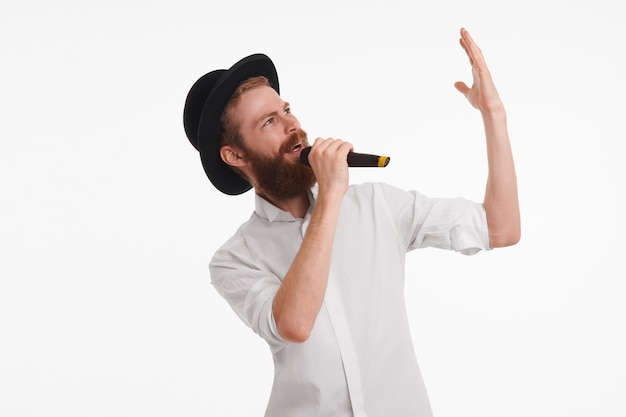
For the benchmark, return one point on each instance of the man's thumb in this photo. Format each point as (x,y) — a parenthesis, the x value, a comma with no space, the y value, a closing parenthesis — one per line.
(462,87)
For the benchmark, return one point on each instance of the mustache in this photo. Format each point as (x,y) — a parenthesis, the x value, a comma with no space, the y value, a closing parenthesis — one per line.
(299,136)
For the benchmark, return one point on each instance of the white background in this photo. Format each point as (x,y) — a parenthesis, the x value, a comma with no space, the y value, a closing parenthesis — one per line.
(107,221)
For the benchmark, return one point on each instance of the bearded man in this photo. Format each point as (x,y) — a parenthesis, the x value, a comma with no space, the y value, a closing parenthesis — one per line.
(318,269)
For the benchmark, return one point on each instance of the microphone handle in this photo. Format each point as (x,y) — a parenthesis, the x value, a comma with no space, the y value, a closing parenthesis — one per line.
(367,160)
(354,159)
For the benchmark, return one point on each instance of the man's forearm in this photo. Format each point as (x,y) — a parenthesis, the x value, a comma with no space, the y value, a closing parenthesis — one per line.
(501,199)
(301,294)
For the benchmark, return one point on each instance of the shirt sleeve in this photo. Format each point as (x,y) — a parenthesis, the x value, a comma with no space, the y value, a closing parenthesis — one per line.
(447,223)
(249,291)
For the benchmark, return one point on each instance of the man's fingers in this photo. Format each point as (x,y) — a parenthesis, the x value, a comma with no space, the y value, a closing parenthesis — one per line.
(464,46)
(330,146)
(471,49)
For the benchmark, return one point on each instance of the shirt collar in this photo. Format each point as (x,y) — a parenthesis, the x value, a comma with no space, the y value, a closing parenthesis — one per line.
(267,210)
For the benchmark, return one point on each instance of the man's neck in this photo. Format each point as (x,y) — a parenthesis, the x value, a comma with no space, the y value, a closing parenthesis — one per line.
(296,206)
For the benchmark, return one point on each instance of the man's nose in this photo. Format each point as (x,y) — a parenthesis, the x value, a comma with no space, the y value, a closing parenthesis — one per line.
(291,124)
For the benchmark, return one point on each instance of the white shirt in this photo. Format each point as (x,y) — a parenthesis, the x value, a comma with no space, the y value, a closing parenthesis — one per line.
(359,360)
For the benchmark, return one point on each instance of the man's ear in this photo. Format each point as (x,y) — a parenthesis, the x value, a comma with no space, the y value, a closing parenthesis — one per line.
(232,156)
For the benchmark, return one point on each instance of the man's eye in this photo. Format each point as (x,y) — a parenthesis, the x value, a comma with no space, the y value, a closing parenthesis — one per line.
(269,121)
(288,110)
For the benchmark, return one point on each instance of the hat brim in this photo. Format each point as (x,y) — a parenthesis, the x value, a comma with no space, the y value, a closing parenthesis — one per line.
(220,174)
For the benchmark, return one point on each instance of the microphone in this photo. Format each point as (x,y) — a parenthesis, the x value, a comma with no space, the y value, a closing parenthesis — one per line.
(354,159)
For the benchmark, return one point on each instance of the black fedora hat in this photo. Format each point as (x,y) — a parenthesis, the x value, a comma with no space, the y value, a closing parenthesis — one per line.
(202,116)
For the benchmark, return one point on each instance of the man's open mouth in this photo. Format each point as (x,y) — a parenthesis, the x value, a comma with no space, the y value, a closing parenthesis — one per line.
(296,147)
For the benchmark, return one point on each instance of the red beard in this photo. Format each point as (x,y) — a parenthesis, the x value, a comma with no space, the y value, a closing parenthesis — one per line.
(279,178)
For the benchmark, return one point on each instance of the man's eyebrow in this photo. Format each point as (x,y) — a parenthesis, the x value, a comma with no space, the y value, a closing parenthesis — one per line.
(272,113)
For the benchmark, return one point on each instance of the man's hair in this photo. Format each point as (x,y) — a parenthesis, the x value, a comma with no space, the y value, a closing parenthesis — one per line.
(229,130)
